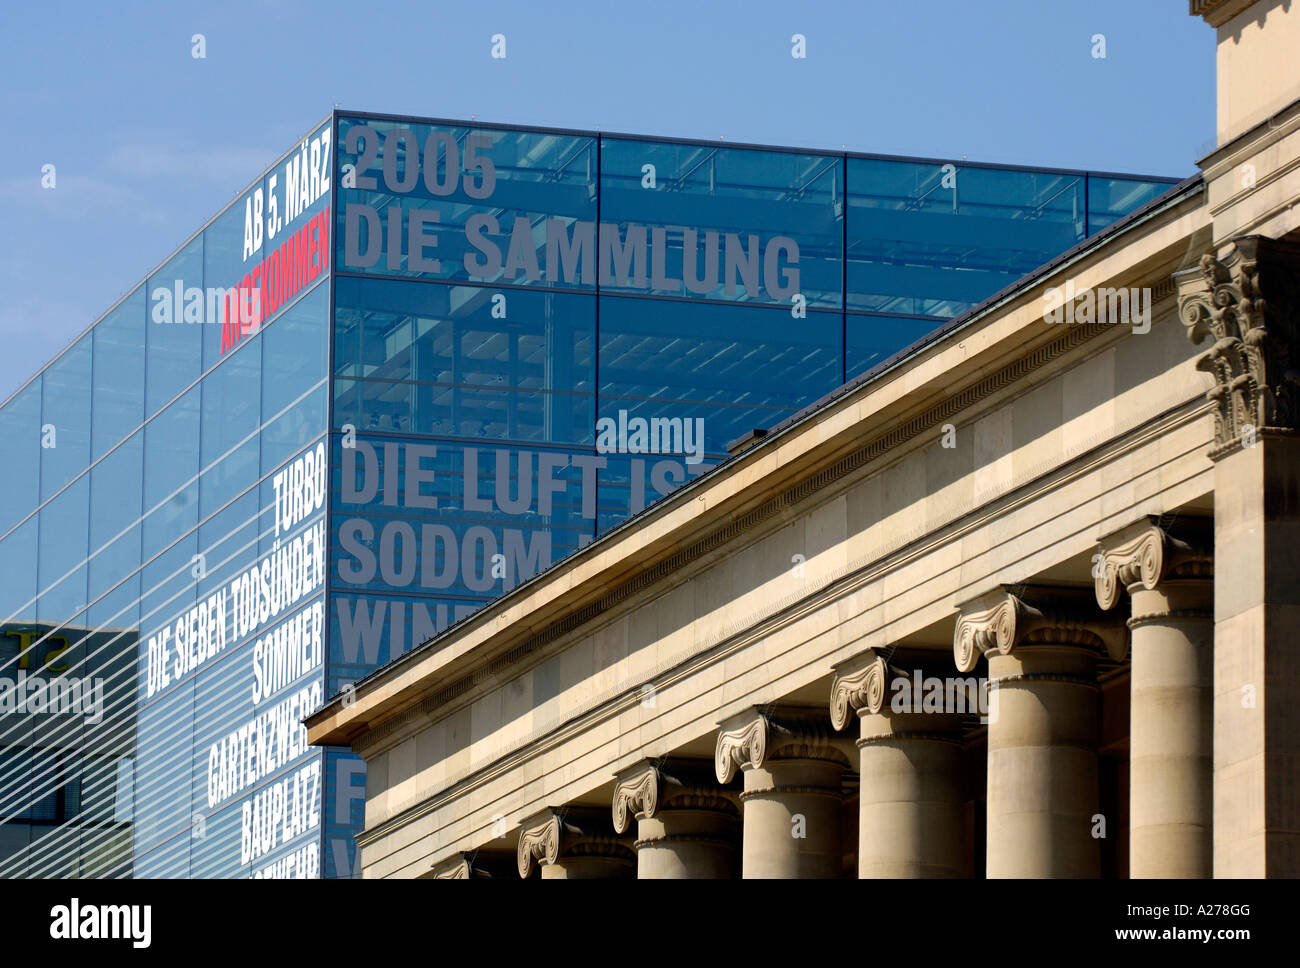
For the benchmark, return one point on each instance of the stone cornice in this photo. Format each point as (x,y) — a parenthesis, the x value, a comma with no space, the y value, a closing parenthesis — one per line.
(1248,304)
(1144,555)
(1251,142)
(861,683)
(1002,620)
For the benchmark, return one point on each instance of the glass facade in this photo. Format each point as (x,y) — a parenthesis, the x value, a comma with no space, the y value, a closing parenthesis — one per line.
(411,366)
(163,594)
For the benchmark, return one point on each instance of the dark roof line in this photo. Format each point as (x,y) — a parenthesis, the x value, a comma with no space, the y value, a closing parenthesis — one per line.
(746,145)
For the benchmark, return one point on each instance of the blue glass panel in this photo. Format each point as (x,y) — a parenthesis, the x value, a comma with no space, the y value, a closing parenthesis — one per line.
(115,508)
(20,425)
(43,804)
(632,483)
(273,242)
(926,240)
(65,417)
(273,528)
(221,701)
(294,354)
(119,340)
(171,466)
(404,526)
(471,203)
(427,481)
(228,541)
(367,630)
(118,608)
(168,588)
(723,223)
(216,854)
(1110,198)
(163,817)
(176,306)
(163,822)
(464,361)
(345,792)
(17,576)
(226,261)
(737,368)
(874,339)
(61,571)
(229,428)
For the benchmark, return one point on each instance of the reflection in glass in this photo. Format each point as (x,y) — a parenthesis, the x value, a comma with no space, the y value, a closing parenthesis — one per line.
(733,367)
(171,466)
(65,417)
(438,360)
(119,340)
(172,337)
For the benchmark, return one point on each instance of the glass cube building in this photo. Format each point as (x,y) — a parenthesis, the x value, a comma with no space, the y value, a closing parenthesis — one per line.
(413,364)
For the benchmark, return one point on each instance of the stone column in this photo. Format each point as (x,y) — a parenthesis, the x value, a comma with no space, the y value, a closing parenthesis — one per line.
(686,826)
(913,774)
(1042,646)
(1171,733)
(1245,304)
(572,843)
(793,796)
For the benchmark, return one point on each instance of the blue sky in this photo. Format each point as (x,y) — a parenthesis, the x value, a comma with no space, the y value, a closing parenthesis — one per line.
(149,142)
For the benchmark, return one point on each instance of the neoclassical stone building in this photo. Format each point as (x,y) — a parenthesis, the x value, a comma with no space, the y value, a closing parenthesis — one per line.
(1023,603)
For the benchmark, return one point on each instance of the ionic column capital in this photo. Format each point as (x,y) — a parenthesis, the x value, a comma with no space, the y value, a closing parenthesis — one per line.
(635,794)
(1001,620)
(556,832)
(539,840)
(861,683)
(1145,554)
(457,867)
(464,866)
(756,737)
(642,790)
